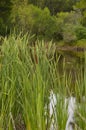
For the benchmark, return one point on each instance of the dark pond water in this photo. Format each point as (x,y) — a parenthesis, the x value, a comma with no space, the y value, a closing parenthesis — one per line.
(72,65)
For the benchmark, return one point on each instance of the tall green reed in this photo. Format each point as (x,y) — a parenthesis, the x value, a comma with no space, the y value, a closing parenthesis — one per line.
(27,76)
(24,83)
(80,113)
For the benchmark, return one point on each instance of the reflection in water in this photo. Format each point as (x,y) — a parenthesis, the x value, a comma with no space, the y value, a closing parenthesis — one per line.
(71,101)
(73,69)
(52,110)
(71,109)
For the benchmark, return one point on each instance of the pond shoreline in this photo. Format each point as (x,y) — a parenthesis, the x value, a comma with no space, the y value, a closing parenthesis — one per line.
(71,48)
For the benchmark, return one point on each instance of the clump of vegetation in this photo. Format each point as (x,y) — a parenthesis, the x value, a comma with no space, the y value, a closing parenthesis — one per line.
(81,32)
(27,76)
(47,20)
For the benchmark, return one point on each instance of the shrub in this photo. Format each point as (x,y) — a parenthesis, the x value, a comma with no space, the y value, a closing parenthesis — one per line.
(32,19)
(69,33)
(67,23)
(80,32)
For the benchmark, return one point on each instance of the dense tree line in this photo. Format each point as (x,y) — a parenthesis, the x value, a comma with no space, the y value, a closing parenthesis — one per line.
(5,10)
(47,19)
(55,5)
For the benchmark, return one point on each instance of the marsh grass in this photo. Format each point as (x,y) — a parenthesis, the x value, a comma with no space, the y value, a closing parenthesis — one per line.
(27,76)
(80,113)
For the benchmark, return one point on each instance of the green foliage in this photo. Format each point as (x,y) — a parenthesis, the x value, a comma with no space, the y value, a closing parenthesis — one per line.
(82,6)
(47,19)
(83,21)
(25,84)
(25,87)
(80,32)
(69,35)
(54,5)
(32,19)
(67,23)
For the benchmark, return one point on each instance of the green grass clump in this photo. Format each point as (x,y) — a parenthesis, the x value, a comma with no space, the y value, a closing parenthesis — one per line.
(27,76)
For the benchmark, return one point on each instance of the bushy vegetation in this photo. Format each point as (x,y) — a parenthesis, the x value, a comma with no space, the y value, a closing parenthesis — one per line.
(32,19)
(81,32)
(48,20)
